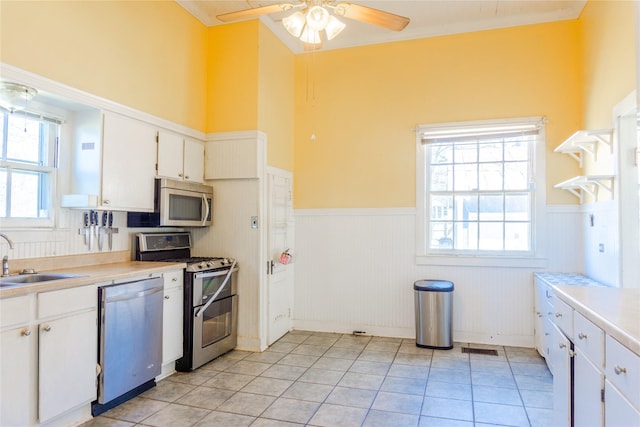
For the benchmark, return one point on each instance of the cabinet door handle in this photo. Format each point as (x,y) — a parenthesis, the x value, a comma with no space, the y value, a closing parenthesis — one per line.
(582,336)
(47,328)
(619,370)
(180,175)
(186,177)
(25,332)
(562,345)
(105,202)
(558,314)
(174,279)
(167,297)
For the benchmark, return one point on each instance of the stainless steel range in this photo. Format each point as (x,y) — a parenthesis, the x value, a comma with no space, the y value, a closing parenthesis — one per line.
(210,296)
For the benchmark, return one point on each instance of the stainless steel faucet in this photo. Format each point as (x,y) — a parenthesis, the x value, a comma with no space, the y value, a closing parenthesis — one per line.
(5,259)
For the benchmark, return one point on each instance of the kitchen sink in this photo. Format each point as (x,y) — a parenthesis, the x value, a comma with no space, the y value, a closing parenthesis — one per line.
(26,279)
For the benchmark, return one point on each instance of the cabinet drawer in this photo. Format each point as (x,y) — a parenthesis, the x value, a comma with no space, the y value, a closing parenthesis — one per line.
(589,339)
(563,316)
(55,303)
(14,311)
(623,370)
(173,279)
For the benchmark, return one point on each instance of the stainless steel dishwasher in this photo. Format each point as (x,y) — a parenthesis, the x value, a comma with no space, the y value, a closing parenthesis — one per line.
(130,340)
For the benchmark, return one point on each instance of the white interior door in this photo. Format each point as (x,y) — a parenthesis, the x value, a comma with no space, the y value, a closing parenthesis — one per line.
(279,239)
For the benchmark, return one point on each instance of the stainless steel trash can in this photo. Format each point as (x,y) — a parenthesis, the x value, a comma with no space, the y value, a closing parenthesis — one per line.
(434,313)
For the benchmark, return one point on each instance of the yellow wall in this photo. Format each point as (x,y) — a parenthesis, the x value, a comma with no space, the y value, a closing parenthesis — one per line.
(607,33)
(250,86)
(276,99)
(146,55)
(363,104)
(232,77)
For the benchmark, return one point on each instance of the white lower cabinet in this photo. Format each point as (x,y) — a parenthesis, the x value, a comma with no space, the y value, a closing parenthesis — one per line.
(48,360)
(172,319)
(560,354)
(619,412)
(16,375)
(588,383)
(596,379)
(67,363)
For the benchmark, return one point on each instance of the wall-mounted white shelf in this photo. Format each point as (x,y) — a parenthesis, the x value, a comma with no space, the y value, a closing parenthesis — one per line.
(580,185)
(585,141)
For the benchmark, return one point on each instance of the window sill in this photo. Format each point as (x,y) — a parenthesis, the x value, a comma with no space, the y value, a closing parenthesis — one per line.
(480,261)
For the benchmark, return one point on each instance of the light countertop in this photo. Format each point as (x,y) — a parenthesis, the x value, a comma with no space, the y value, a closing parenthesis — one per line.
(90,274)
(616,311)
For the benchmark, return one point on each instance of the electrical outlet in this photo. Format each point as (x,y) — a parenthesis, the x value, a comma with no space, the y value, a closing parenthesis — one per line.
(601,247)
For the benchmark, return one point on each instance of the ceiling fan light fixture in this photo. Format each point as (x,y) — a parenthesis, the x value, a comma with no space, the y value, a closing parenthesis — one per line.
(294,23)
(334,27)
(15,96)
(317,18)
(310,36)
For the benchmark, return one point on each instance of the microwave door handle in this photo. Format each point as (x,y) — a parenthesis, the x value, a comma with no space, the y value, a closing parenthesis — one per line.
(206,204)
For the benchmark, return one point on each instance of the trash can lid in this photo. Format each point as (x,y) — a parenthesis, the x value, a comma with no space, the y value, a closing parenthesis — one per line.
(433,285)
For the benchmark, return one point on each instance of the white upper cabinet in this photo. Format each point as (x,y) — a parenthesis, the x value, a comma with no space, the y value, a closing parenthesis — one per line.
(114,163)
(180,157)
(128,164)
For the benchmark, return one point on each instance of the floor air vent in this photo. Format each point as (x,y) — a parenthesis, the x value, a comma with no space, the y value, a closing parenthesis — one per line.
(484,351)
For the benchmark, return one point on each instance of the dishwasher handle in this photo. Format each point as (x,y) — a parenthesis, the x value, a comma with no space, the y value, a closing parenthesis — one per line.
(124,295)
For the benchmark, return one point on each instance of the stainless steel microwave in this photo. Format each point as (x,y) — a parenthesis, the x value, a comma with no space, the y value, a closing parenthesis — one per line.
(177,204)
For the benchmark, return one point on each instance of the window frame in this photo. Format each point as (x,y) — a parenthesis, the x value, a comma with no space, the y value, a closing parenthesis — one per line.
(535,257)
(52,136)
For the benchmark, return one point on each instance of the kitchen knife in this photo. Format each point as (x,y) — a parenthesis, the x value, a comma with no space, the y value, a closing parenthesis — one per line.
(110,225)
(102,231)
(86,229)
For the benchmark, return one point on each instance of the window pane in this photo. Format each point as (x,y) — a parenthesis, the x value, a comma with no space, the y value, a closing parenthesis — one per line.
(465,207)
(514,149)
(491,208)
(516,176)
(466,235)
(490,176)
(23,139)
(441,235)
(465,153)
(441,208)
(441,153)
(441,178)
(25,200)
(491,237)
(517,207)
(517,236)
(490,152)
(1,136)
(465,177)
(3,192)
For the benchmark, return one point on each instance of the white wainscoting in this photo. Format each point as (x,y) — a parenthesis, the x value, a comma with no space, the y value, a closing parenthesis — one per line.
(355,270)
(604,266)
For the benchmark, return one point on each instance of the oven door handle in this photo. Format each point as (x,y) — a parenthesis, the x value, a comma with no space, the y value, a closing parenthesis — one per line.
(224,283)
(214,273)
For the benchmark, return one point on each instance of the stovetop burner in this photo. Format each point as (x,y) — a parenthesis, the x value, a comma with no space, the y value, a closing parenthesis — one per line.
(175,247)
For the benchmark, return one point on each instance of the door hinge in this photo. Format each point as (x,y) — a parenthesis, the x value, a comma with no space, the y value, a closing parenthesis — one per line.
(602,395)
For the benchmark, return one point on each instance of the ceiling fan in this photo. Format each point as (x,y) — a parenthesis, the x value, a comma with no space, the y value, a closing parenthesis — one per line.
(311,18)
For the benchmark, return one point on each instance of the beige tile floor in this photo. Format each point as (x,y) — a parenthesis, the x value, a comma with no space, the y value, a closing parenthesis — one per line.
(334,380)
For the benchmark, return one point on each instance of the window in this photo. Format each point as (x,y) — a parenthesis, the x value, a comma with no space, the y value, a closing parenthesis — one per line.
(478,187)
(27,169)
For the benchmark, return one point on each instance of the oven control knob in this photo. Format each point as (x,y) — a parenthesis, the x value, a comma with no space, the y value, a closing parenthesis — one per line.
(202,265)
(225,261)
(210,264)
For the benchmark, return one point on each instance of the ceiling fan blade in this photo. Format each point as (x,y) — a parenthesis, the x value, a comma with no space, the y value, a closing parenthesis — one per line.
(256,11)
(372,16)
